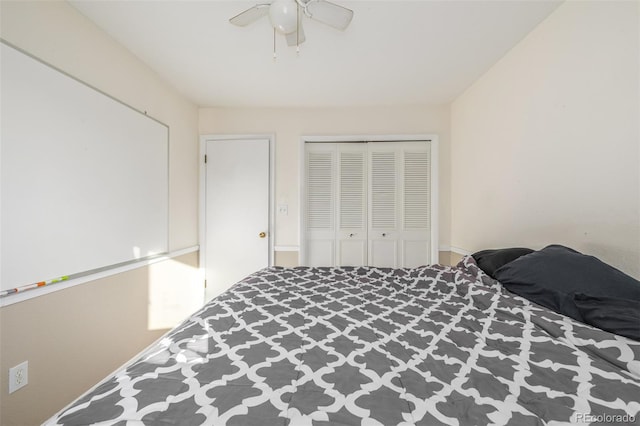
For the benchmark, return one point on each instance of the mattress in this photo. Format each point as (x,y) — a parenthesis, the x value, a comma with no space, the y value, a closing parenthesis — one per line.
(432,345)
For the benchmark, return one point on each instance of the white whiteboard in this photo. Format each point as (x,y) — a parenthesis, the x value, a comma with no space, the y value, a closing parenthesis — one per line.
(85,178)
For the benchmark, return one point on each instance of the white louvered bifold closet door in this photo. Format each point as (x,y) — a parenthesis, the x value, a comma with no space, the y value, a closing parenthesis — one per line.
(400,204)
(319,220)
(352,204)
(367,204)
(384,206)
(415,234)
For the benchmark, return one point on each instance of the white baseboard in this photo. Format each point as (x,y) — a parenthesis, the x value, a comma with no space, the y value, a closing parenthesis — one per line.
(459,250)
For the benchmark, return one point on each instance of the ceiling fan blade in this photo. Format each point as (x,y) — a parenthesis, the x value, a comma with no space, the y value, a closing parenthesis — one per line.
(297,37)
(329,13)
(250,15)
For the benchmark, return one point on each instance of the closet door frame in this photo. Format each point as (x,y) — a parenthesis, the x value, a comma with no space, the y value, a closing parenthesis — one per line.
(433,143)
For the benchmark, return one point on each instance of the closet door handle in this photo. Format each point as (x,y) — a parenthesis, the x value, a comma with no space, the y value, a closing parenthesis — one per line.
(384,234)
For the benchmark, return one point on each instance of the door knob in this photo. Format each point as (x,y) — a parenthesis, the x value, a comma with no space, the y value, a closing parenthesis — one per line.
(262,234)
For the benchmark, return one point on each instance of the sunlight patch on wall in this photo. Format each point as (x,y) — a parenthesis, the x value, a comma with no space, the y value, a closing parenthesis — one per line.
(175,292)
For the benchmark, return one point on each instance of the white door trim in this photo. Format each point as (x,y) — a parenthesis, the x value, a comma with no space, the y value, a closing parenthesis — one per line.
(202,199)
(435,158)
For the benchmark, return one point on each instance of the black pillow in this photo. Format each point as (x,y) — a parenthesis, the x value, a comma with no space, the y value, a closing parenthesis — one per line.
(492,259)
(619,316)
(552,276)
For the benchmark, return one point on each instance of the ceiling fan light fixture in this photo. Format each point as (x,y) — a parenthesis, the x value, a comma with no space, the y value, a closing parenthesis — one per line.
(284,16)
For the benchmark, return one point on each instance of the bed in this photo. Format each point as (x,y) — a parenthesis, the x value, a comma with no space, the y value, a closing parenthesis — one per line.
(434,345)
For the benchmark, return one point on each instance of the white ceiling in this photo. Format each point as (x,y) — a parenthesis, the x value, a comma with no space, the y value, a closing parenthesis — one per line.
(419,52)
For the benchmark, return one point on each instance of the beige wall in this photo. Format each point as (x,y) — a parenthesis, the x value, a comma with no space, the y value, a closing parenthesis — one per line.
(75,337)
(545,146)
(289,125)
(72,338)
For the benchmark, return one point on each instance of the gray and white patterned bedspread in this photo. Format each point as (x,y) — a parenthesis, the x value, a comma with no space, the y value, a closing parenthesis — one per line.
(368,346)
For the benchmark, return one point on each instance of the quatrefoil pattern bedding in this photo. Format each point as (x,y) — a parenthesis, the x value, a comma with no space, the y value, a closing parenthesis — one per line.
(371,346)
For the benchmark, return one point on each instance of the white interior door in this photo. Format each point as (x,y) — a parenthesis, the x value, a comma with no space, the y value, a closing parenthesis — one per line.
(236,211)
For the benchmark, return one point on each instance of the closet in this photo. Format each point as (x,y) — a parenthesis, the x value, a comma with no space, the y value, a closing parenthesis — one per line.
(367,203)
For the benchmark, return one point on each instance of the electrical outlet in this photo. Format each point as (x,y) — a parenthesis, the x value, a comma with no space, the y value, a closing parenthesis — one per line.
(18,376)
(283,209)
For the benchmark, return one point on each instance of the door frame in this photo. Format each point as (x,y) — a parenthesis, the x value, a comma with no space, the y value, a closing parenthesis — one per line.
(435,196)
(202,197)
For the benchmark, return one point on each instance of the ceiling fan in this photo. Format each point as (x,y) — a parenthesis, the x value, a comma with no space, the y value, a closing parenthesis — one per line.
(286,16)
